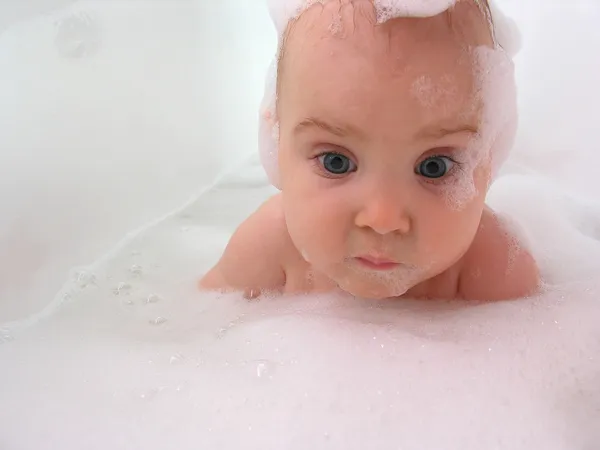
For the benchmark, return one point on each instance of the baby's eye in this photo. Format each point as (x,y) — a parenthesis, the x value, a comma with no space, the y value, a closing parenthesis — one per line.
(435,167)
(336,163)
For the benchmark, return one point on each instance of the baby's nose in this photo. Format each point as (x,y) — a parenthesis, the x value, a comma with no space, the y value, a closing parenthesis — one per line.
(384,212)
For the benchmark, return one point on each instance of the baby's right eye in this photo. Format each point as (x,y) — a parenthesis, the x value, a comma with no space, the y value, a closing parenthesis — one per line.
(336,163)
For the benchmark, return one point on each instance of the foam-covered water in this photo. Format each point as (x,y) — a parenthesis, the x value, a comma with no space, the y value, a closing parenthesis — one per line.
(108,119)
(114,127)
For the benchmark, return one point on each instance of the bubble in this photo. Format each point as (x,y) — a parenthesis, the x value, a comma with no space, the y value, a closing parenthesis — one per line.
(136,270)
(225,329)
(84,279)
(158,321)
(77,36)
(424,89)
(5,336)
(221,332)
(176,359)
(336,25)
(265,369)
(391,9)
(122,288)
(152,298)
(150,394)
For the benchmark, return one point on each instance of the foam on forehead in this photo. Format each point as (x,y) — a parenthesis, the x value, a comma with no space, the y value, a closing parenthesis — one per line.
(506,32)
(506,40)
(282,11)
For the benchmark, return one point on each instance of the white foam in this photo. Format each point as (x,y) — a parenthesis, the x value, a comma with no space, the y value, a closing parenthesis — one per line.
(194,368)
(282,11)
(60,74)
(162,366)
(506,31)
(391,9)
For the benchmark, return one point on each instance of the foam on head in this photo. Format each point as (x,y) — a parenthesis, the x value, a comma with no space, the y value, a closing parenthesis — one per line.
(282,11)
(494,71)
(495,88)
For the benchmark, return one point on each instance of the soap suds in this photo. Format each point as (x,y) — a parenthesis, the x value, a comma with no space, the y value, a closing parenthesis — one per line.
(188,370)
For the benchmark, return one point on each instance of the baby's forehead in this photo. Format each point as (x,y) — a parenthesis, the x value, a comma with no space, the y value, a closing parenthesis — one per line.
(340,63)
(344,40)
(327,24)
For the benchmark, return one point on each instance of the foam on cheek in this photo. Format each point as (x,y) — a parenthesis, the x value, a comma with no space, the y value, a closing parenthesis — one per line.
(495,91)
(433,94)
(393,283)
(460,189)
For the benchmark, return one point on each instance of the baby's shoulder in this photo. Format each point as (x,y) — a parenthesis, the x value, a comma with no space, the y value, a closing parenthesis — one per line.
(497,266)
(269,226)
(255,257)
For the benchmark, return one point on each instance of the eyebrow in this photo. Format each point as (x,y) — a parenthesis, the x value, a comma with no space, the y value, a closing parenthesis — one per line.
(344,130)
(338,130)
(439,132)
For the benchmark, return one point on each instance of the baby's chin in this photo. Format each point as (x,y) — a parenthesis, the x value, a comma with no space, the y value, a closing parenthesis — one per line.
(379,284)
(371,289)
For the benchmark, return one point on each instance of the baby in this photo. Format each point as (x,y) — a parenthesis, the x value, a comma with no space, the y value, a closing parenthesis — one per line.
(386,133)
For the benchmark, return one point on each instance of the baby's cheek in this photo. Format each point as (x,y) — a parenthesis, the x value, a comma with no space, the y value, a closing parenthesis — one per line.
(447,233)
(315,234)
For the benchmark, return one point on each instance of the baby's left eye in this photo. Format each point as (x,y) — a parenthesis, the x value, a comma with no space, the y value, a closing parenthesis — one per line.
(336,163)
(435,167)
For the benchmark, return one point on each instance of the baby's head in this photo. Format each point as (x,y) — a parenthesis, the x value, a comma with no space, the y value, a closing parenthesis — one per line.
(384,136)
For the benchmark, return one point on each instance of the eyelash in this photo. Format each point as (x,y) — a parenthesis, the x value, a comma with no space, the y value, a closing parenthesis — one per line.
(452,173)
(325,173)
(457,166)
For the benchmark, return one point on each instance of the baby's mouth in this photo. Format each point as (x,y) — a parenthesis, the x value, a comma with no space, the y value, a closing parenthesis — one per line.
(377,262)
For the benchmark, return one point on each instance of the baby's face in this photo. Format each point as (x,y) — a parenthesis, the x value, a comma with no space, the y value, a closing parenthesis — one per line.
(383,164)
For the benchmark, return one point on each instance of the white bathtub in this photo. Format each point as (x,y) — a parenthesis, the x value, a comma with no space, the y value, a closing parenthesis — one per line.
(127,156)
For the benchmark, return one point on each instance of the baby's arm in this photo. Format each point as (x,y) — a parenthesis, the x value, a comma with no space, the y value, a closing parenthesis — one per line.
(252,260)
(497,267)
